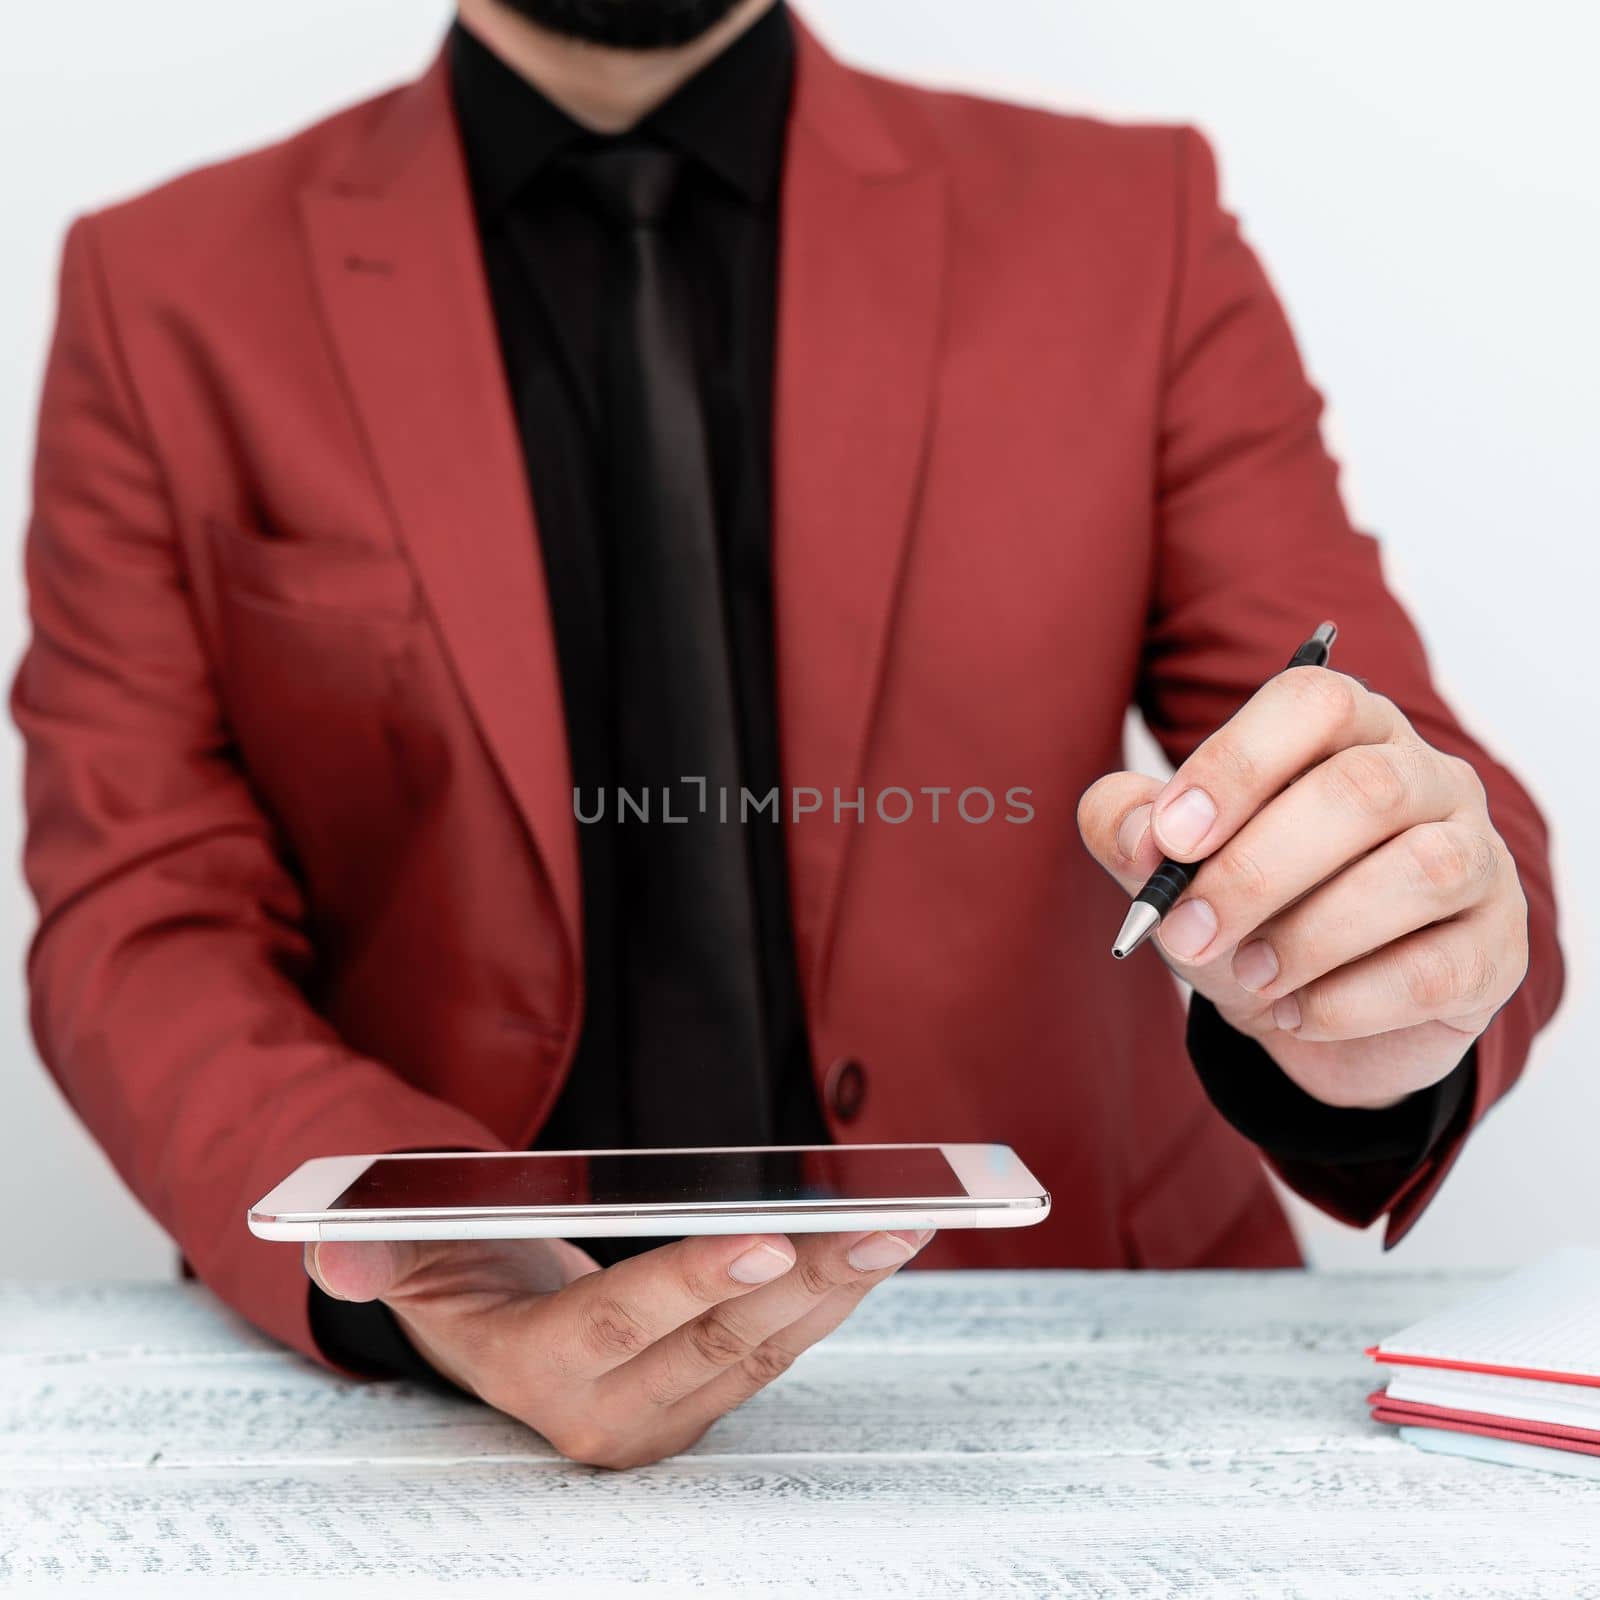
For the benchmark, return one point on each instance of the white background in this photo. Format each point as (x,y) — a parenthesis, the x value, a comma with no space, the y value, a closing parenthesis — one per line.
(1420,178)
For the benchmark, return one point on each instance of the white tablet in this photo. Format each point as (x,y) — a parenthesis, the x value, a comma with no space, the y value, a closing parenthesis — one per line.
(585,1194)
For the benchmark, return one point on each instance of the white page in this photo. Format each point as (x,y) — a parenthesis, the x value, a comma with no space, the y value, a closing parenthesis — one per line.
(1518,1399)
(1545,1318)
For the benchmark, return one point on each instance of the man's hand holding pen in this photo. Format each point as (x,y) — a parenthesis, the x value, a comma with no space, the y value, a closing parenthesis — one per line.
(1357,912)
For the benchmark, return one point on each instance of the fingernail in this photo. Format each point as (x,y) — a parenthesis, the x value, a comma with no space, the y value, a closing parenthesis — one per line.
(1189,929)
(1255,966)
(1131,834)
(1286,1013)
(879,1250)
(1184,822)
(924,1237)
(761,1263)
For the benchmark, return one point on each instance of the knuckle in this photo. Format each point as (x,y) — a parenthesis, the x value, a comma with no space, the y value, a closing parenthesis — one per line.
(1330,699)
(1446,860)
(609,1328)
(1509,877)
(768,1362)
(580,1440)
(1517,962)
(1428,976)
(1104,808)
(1486,855)
(1480,974)
(665,1386)
(1099,804)
(1399,723)
(1238,771)
(715,1343)
(592,1446)
(1321,1009)
(701,1286)
(1465,776)
(1369,779)
(1239,874)
(1092,809)
(816,1278)
(562,1360)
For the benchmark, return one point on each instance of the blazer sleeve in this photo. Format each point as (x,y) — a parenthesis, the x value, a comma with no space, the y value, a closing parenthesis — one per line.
(1253,547)
(167,972)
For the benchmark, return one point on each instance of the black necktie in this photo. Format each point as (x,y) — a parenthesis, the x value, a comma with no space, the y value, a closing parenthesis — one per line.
(691,999)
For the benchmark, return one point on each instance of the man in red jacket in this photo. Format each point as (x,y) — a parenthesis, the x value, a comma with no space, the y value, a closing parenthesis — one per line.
(643,399)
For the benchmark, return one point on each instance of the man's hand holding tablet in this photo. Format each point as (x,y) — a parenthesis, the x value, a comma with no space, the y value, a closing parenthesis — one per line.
(473,1253)
(624,1365)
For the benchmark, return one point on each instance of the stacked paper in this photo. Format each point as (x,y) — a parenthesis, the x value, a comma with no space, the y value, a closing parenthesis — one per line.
(1511,1375)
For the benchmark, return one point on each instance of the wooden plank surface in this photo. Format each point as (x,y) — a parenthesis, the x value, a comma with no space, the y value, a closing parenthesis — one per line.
(974,1433)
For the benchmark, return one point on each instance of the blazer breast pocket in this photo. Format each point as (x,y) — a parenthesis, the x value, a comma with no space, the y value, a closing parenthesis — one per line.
(319,653)
(330,578)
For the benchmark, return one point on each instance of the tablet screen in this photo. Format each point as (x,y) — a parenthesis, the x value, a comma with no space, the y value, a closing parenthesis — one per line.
(836,1172)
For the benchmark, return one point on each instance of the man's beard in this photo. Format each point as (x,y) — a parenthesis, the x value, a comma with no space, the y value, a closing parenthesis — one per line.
(626,24)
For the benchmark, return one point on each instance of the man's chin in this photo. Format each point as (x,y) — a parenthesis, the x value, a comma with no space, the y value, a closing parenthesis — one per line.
(626,24)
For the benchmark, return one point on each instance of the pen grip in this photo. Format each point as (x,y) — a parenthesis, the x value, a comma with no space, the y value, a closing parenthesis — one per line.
(1167,883)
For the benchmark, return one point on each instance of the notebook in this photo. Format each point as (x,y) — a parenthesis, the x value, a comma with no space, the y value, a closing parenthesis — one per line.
(1542,1323)
(1582,1441)
(1517,1366)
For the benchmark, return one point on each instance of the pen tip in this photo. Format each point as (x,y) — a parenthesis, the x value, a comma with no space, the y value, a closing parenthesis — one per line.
(1137,926)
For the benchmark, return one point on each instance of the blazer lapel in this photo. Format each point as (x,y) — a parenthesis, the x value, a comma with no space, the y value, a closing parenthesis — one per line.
(393,244)
(861,275)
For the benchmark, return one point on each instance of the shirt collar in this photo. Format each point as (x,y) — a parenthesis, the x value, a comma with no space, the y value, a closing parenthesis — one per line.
(730,117)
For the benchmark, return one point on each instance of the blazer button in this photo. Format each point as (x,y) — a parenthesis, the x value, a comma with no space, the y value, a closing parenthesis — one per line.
(845,1088)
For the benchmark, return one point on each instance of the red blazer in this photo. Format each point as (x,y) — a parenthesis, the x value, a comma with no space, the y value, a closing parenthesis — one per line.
(300,823)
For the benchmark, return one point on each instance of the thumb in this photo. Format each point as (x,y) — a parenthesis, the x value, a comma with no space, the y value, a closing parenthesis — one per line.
(1114,819)
(361,1270)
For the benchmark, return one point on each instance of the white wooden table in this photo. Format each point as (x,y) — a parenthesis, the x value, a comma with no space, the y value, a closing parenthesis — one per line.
(977,1433)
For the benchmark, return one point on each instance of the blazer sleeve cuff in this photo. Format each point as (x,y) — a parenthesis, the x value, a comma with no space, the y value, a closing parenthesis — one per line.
(1358,1165)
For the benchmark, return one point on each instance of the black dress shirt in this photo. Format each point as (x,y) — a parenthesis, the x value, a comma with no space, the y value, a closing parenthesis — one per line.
(553,282)
(550,272)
